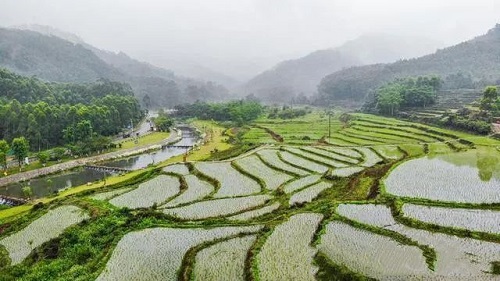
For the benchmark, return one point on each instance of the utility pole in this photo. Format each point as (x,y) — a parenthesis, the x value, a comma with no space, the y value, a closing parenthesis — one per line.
(329,124)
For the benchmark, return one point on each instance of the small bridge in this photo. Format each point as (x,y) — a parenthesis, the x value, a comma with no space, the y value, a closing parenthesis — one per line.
(178,146)
(107,169)
(12,201)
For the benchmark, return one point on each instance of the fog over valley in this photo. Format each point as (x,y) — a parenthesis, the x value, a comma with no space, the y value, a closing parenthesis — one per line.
(232,41)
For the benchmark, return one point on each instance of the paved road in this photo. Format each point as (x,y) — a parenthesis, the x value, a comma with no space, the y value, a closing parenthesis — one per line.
(174,137)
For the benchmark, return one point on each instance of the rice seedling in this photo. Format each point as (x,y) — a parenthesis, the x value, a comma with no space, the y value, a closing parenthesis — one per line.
(287,254)
(476,220)
(272,178)
(371,254)
(179,169)
(316,158)
(270,156)
(255,213)
(217,208)
(390,152)
(154,191)
(308,194)
(377,215)
(197,189)
(232,182)
(156,253)
(49,226)
(331,155)
(348,152)
(346,172)
(223,260)
(371,158)
(301,162)
(301,183)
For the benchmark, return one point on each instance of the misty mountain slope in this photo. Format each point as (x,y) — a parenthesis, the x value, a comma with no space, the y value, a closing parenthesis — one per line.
(51,58)
(54,59)
(479,57)
(372,48)
(293,77)
(135,67)
(121,61)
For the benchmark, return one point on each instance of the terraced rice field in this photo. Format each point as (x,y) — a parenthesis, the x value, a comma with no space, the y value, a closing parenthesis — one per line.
(223,259)
(287,254)
(271,158)
(20,244)
(154,191)
(308,194)
(400,205)
(470,219)
(231,182)
(464,258)
(139,257)
(272,178)
(444,181)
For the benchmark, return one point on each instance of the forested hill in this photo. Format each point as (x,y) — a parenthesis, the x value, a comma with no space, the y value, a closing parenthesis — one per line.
(302,76)
(53,58)
(478,59)
(50,114)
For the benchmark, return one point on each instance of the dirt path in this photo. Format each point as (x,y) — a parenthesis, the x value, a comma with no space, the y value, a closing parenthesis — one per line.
(174,137)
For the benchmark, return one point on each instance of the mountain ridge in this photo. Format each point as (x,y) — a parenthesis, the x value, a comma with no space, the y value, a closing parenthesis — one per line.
(301,76)
(478,57)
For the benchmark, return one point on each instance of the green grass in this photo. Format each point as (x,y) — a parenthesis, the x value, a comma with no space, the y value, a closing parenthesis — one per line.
(152,138)
(303,130)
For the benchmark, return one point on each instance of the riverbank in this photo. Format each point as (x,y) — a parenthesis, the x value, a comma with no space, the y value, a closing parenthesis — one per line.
(172,138)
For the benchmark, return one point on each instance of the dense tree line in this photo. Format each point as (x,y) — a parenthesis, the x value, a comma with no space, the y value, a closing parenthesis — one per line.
(287,113)
(240,112)
(51,114)
(404,93)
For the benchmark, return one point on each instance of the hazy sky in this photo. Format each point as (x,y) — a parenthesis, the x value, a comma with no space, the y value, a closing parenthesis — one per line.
(241,37)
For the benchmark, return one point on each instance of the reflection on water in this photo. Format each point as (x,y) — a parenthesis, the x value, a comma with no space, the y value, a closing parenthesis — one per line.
(143,160)
(48,185)
(485,159)
(45,186)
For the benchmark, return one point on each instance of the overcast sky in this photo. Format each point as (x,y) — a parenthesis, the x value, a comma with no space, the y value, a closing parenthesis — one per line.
(244,36)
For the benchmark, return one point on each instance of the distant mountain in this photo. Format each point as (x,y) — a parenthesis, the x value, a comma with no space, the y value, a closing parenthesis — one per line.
(478,59)
(302,76)
(47,54)
(51,58)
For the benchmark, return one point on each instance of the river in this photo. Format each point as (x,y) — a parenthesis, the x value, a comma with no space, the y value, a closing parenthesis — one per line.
(47,185)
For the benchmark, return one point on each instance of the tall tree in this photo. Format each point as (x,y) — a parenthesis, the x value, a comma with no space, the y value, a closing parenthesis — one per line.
(4,149)
(20,147)
(490,96)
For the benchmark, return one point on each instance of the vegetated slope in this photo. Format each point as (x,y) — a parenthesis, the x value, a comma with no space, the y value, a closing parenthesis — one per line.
(301,76)
(53,58)
(479,57)
(294,77)
(134,67)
